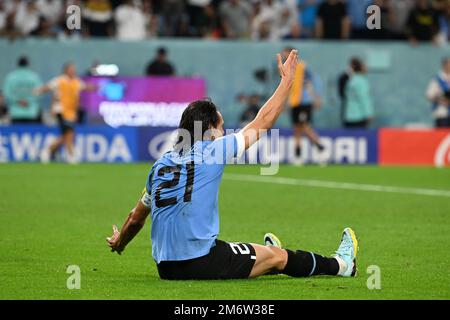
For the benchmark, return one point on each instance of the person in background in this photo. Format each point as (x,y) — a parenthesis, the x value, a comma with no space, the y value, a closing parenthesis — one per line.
(253,104)
(438,93)
(423,23)
(160,66)
(66,95)
(332,20)
(44,29)
(23,106)
(98,15)
(236,16)
(3,110)
(131,21)
(444,25)
(387,21)
(307,17)
(359,109)
(357,12)
(52,10)
(342,86)
(26,18)
(400,12)
(305,96)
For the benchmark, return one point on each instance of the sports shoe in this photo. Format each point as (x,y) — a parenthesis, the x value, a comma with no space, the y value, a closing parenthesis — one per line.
(272,240)
(347,252)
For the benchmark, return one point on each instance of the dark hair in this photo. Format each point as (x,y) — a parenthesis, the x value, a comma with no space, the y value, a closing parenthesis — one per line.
(356,65)
(203,111)
(67,65)
(162,51)
(445,60)
(23,62)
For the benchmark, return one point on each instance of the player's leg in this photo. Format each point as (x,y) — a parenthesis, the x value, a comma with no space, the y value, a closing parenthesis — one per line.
(304,264)
(48,155)
(312,135)
(305,120)
(270,259)
(68,137)
(298,131)
(295,117)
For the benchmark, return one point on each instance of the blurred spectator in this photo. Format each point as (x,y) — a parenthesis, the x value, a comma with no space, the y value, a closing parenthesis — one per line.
(387,21)
(359,107)
(27,17)
(51,10)
(332,20)
(173,14)
(287,20)
(202,17)
(98,16)
(23,106)
(236,18)
(400,11)
(44,29)
(342,86)
(307,16)
(423,23)
(3,15)
(438,93)
(444,25)
(253,103)
(264,21)
(9,30)
(131,21)
(160,66)
(3,110)
(357,12)
(275,20)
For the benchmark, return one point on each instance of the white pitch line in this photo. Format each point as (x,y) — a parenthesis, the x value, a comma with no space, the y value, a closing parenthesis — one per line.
(336,185)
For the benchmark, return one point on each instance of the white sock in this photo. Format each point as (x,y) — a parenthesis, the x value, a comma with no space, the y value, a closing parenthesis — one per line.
(342,265)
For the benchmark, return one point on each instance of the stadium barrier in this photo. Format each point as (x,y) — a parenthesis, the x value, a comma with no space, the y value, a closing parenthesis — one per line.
(414,147)
(135,144)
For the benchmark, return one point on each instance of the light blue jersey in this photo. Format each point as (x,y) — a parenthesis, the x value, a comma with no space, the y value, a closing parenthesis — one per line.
(183,193)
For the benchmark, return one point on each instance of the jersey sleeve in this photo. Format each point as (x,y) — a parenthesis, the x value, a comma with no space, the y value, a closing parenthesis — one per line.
(146,197)
(225,149)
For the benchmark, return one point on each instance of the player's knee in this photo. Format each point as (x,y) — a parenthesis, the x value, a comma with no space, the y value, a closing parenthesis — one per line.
(279,258)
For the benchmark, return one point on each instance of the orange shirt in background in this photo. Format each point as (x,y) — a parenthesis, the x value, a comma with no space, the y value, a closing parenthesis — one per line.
(67,96)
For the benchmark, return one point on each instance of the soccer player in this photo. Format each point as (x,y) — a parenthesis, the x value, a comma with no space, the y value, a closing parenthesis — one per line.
(182,196)
(303,99)
(66,95)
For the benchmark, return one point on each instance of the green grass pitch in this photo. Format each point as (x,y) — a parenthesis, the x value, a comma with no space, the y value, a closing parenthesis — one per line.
(58,215)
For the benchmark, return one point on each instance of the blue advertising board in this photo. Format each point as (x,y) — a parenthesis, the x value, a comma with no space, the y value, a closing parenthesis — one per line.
(92,143)
(131,144)
(341,146)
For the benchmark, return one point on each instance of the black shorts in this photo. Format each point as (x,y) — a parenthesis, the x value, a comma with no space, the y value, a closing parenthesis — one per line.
(224,261)
(64,125)
(302,114)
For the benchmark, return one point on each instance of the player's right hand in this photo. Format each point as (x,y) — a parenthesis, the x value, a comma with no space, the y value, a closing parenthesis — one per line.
(113,241)
(288,69)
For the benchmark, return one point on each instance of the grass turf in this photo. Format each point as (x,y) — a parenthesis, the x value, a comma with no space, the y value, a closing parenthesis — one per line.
(57,215)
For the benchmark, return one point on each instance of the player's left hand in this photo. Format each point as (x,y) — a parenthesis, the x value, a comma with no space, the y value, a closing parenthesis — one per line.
(113,241)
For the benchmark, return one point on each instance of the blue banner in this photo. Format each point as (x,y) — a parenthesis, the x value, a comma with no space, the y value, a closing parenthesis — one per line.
(340,146)
(92,143)
(127,144)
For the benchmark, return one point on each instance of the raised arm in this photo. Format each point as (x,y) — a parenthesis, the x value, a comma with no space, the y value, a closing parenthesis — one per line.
(272,109)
